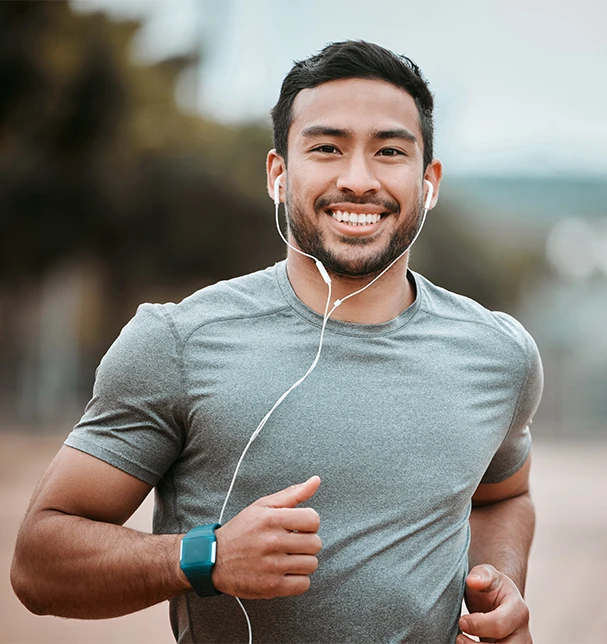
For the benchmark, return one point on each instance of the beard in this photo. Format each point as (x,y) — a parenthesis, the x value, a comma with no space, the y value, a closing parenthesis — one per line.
(356,263)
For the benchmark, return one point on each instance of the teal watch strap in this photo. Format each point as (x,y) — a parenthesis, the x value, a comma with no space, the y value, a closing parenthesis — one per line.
(198,553)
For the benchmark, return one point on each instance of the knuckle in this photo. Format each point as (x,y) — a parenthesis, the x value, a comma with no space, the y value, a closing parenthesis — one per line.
(255,517)
(262,501)
(272,543)
(267,516)
(273,586)
(274,565)
(273,519)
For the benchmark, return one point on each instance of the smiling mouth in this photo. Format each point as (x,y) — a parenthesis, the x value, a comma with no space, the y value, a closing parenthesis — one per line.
(354,218)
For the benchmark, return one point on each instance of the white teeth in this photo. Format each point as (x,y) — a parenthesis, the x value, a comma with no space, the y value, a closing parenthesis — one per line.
(355,219)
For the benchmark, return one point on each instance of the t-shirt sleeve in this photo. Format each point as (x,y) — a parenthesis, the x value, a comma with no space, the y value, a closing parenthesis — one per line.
(516,446)
(134,420)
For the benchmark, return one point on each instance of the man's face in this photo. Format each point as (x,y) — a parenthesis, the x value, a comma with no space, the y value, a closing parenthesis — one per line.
(355,174)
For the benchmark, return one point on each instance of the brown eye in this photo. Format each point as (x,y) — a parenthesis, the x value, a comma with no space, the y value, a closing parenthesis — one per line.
(327,149)
(390,152)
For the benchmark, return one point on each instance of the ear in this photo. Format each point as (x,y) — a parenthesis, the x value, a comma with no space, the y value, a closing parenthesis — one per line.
(275,166)
(434,174)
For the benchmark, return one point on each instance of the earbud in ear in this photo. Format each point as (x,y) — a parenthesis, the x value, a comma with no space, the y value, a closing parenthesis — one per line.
(428,201)
(277,189)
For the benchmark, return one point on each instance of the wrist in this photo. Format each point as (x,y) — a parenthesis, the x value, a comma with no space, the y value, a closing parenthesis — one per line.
(216,580)
(179,579)
(182,581)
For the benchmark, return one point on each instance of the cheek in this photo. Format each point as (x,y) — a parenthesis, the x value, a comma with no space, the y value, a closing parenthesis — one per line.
(306,191)
(404,188)
(312,176)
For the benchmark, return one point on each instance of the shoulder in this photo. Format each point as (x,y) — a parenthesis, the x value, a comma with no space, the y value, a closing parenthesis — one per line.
(248,296)
(472,320)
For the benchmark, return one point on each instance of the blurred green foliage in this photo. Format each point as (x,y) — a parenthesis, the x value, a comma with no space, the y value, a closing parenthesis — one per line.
(96,158)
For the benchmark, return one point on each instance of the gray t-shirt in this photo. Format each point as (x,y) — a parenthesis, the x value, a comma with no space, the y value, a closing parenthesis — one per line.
(401,421)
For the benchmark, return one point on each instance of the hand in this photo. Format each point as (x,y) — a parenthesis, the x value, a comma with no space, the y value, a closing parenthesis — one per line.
(498,611)
(269,549)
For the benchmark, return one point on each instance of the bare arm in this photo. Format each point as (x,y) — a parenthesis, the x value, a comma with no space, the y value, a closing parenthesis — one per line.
(74,558)
(502,523)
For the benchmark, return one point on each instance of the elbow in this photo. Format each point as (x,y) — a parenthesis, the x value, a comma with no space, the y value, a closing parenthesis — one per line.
(27,578)
(31,573)
(24,587)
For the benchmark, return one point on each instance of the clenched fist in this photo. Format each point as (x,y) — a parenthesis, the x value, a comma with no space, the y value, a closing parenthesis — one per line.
(269,549)
(498,613)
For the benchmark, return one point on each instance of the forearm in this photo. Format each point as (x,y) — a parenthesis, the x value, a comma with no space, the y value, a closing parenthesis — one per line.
(501,535)
(74,567)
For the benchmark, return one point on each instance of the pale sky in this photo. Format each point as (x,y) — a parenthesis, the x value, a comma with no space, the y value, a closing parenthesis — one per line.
(519,86)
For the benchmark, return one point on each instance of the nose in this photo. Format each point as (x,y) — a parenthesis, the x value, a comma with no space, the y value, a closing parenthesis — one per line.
(357,177)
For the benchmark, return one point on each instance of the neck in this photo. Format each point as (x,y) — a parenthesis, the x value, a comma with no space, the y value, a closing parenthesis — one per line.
(383,301)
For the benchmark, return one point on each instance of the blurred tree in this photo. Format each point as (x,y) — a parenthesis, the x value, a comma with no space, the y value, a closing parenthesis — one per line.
(97,165)
(95,157)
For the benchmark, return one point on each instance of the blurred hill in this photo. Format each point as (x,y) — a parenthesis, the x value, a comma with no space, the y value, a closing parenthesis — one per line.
(538,201)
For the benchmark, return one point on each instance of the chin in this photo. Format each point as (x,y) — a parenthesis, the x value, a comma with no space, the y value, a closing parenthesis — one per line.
(359,267)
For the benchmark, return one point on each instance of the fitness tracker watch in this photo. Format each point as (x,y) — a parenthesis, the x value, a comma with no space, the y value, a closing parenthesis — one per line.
(197,558)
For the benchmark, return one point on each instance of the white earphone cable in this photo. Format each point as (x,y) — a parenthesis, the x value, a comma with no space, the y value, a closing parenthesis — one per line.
(265,419)
(326,316)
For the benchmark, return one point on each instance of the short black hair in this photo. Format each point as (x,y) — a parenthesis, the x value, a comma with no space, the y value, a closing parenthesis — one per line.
(354,59)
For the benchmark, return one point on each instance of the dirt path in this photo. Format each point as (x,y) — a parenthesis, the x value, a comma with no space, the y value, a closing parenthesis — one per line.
(567,570)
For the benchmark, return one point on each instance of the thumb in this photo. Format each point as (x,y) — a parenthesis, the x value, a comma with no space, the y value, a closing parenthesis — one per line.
(483,578)
(292,495)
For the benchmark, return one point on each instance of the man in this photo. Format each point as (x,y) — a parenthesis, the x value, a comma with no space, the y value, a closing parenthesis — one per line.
(417,412)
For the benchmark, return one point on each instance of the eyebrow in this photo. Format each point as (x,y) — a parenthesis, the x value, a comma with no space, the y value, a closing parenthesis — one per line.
(382,135)
(403,134)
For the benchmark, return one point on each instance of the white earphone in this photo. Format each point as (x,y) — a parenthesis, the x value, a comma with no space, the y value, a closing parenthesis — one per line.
(277,189)
(429,196)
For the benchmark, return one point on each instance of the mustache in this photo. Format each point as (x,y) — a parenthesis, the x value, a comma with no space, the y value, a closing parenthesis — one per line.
(326,201)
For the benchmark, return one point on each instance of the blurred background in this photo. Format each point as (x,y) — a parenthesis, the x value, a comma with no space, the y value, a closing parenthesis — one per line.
(133,136)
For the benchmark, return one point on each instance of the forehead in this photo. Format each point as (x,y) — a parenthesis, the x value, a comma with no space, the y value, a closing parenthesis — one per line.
(357,104)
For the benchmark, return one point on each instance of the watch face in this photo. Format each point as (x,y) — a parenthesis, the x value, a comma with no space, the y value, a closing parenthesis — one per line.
(198,550)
